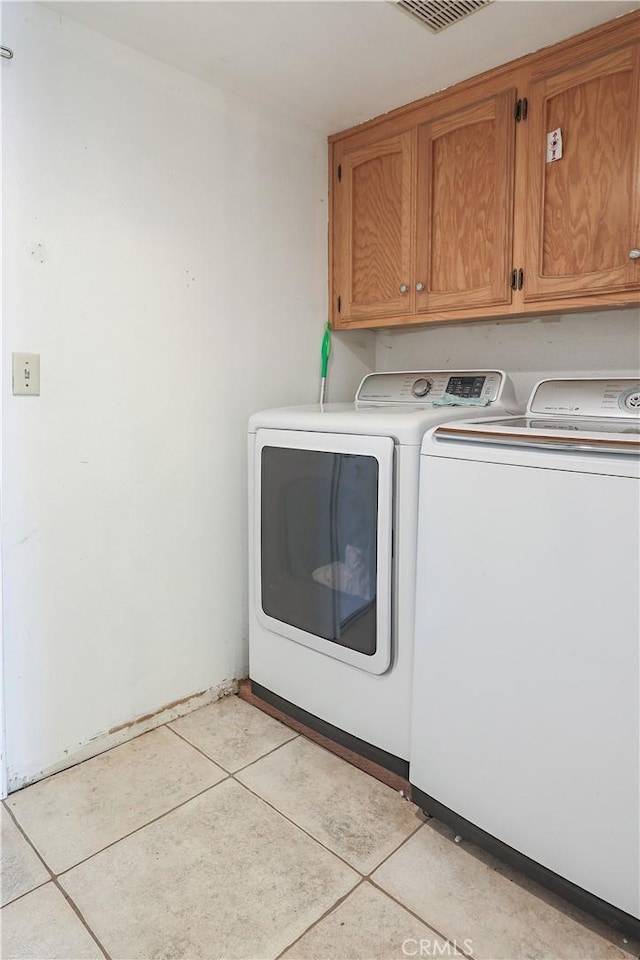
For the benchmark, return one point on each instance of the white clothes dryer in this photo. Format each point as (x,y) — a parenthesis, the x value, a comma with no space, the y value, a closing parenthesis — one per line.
(333,506)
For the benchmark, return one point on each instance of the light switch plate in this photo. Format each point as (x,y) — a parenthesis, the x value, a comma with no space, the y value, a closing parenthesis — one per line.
(26,374)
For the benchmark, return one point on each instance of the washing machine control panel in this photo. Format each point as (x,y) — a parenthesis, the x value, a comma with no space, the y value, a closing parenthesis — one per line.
(424,386)
(593,397)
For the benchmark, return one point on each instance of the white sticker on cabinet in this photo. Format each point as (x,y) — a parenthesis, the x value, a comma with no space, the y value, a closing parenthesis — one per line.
(554,145)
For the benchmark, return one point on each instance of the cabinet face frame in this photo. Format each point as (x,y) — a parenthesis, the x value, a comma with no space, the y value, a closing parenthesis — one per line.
(625,274)
(348,221)
(495,110)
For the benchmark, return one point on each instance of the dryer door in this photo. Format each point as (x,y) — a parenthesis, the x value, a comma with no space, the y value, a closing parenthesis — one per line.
(322,537)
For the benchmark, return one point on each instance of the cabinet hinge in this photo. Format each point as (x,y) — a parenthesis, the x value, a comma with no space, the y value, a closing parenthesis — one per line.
(339,173)
(339,304)
(521,110)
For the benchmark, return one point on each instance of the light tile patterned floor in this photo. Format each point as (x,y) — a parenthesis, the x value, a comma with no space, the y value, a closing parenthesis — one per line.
(226,835)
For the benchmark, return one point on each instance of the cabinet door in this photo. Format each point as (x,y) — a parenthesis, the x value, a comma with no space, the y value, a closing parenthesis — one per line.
(465,206)
(583,209)
(372,230)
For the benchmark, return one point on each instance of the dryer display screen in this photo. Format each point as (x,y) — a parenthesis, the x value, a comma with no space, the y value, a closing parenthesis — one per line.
(466,386)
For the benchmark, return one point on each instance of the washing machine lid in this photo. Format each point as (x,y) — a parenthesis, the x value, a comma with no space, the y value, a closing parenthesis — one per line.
(589,415)
(402,405)
(580,436)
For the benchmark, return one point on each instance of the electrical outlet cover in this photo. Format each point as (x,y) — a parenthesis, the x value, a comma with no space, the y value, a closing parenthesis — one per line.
(26,374)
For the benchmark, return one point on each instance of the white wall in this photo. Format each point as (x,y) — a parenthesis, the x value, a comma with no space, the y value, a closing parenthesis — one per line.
(164,253)
(590,343)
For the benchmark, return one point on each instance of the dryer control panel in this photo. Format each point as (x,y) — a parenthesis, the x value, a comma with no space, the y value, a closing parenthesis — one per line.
(592,397)
(422,387)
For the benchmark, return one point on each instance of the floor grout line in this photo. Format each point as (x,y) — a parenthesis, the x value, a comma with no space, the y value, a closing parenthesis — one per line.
(400,845)
(328,911)
(52,879)
(148,823)
(26,837)
(252,763)
(21,896)
(438,933)
(376,886)
(364,876)
(298,827)
(232,773)
(199,750)
(76,909)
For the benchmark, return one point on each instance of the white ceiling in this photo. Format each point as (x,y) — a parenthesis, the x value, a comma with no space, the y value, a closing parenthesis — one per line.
(332,63)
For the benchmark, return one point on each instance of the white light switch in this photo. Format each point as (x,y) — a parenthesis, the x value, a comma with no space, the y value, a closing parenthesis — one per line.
(26,374)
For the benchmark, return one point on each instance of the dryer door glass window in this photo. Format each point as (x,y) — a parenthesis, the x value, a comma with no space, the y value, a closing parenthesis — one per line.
(319,520)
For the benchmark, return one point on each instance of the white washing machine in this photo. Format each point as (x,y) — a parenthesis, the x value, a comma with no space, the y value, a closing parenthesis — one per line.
(526,696)
(333,499)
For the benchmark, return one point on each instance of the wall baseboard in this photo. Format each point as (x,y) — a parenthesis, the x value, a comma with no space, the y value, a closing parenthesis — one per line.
(121,734)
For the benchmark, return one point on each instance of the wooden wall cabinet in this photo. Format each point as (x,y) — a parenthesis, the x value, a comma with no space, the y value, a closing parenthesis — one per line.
(583,216)
(465,178)
(448,209)
(372,233)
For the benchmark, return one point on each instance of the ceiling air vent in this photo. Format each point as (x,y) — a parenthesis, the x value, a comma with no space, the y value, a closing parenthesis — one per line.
(438,14)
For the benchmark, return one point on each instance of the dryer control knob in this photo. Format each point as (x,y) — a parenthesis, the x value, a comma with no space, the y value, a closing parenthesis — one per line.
(421,387)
